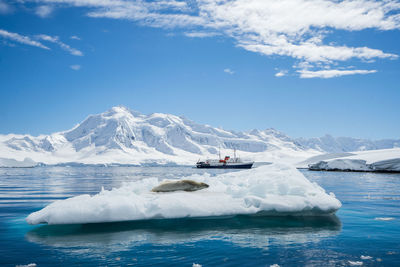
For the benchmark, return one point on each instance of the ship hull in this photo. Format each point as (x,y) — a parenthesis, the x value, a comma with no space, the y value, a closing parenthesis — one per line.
(225,166)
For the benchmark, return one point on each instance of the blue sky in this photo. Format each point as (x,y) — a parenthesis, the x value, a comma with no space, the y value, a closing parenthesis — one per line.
(305,69)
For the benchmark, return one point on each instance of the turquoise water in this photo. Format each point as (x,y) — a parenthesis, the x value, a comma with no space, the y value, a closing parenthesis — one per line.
(368,224)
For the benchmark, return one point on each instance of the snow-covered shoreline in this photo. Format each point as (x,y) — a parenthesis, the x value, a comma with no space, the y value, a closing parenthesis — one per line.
(384,160)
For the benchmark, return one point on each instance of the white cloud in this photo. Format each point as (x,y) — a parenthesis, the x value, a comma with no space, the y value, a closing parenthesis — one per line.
(317,53)
(55,39)
(164,4)
(229,71)
(281,73)
(167,14)
(296,28)
(75,67)
(21,39)
(331,73)
(203,34)
(74,37)
(292,28)
(34,41)
(44,11)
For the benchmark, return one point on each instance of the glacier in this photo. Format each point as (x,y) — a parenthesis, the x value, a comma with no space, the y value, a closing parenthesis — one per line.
(275,189)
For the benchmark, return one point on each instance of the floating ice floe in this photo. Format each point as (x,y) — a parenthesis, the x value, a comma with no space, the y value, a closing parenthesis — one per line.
(384,219)
(356,263)
(366,257)
(274,189)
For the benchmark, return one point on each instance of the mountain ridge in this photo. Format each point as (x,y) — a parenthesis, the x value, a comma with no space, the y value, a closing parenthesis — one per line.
(121,135)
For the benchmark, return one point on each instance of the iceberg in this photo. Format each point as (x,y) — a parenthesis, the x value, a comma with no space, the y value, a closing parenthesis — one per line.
(275,189)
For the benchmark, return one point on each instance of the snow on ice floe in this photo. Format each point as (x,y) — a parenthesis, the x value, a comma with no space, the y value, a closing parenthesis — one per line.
(375,160)
(274,189)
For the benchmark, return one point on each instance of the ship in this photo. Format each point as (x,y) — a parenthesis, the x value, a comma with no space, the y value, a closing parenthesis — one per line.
(226,163)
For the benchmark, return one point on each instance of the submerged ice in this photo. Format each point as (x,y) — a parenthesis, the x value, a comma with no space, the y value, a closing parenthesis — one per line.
(274,189)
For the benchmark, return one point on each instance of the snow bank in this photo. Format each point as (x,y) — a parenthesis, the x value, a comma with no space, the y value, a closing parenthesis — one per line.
(318,158)
(12,163)
(341,165)
(384,160)
(274,189)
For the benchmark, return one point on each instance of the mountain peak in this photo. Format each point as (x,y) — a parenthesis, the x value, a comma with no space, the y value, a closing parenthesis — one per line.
(121,111)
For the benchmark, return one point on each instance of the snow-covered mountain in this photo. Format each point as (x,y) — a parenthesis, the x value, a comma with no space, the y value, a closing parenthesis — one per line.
(120,135)
(332,144)
(123,136)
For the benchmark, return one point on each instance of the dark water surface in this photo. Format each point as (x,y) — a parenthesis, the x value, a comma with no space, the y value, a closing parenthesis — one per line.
(368,224)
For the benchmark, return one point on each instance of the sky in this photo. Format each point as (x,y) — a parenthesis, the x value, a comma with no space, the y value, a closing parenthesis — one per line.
(306,68)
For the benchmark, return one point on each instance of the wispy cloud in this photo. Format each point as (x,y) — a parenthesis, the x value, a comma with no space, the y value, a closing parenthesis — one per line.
(281,73)
(291,28)
(229,71)
(74,37)
(200,34)
(75,67)
(56,40)
(21,39)
(312,52)
(44,11)
(331,73)
(37,41)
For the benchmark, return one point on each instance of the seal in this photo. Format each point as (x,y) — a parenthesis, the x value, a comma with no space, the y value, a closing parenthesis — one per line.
(182,185)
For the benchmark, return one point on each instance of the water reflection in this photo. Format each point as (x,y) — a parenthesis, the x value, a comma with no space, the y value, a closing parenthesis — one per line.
(244,231)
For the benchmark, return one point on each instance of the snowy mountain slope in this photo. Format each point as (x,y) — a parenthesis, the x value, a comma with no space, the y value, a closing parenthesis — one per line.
(332,144)
(123,136)
(120,135)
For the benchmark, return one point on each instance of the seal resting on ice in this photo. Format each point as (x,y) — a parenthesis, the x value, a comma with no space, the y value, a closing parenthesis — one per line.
(182,185)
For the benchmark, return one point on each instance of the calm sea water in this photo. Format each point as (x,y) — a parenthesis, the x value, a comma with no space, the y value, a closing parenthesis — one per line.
(368,224)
